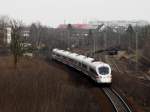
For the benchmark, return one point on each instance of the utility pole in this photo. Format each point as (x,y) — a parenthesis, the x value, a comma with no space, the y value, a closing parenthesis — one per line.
(90,38)
(69,27)
(105,41)
(136,34)
(94,45)
(130,34)
(119,39)
(105,44)
(68,40)
(98,29)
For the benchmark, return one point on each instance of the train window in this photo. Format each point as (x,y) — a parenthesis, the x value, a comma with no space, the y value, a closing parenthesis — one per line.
(76,63)
(93,71)
(57,55)
(103,70)
(84,66)
(80,64)
(70,60)
(63,57)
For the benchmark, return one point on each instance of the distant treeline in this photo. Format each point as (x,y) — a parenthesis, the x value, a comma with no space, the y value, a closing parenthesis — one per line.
(130,38)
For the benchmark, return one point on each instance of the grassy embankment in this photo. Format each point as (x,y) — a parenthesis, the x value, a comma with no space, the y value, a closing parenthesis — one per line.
(37,86)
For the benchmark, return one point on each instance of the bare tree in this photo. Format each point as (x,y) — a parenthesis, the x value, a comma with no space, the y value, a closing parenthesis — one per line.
(35,32)
(4,22)
(130,34)
(69,27)
(90,41)
(16,46)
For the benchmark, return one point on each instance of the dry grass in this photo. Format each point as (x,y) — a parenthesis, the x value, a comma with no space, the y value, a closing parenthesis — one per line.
(37,86)
(137,92)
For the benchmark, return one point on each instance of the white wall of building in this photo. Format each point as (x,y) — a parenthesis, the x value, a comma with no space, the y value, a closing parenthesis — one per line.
(8,35)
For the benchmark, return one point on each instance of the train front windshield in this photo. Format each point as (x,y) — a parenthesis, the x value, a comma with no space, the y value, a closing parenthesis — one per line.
(103,70)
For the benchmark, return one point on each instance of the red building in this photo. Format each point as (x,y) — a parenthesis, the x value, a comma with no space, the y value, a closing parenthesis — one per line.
(76,26)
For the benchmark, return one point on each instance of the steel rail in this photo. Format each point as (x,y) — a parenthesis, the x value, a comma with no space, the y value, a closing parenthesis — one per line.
(118,102)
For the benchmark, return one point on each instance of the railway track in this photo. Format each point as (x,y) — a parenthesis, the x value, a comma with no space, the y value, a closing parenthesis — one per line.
(119,68)
(119,104)
(114,66)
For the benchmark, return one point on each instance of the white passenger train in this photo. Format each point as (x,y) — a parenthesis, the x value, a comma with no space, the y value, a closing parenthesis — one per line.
(98,71)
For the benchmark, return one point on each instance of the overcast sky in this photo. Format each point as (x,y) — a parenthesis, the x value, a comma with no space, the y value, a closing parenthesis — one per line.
(54,12)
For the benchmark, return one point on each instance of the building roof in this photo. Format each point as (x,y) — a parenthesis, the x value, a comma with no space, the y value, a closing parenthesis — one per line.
(76,26)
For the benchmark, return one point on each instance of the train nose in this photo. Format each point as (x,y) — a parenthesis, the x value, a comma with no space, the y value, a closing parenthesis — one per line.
(106,79)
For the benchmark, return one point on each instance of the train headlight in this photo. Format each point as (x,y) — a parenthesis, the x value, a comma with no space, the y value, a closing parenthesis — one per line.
(109,77)
(98,77)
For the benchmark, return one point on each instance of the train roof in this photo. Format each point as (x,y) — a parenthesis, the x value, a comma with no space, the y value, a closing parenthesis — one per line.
(65,53)
(55,49)
(88,60)
(80,58)
(73,55)
(96,64)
